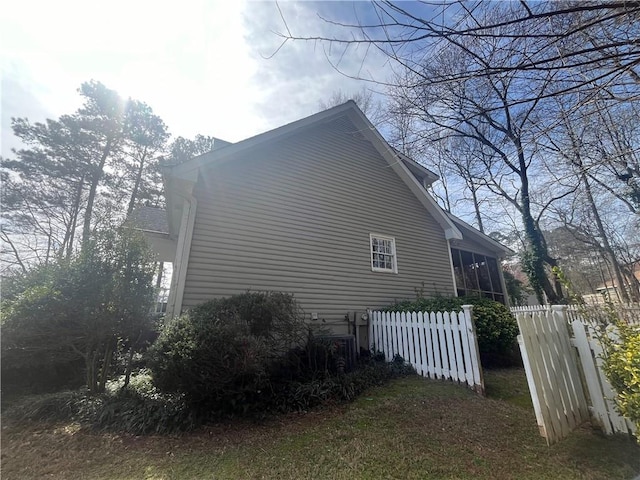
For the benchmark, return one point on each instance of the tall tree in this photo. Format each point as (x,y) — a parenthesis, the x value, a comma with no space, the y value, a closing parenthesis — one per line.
(146,139)
(77,172)
(101,121)
(182,149)
(489,112)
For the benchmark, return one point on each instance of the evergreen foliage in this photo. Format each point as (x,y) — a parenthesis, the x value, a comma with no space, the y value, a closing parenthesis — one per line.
(86,308)
(622,367)
(496,328)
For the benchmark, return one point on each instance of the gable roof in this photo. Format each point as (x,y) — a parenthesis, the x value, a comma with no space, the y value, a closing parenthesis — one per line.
(402,166)
(473,233)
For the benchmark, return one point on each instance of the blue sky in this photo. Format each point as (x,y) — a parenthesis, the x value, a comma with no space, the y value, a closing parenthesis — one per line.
(201,65)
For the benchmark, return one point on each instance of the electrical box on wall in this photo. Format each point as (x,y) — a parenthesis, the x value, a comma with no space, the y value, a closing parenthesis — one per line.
(314,316)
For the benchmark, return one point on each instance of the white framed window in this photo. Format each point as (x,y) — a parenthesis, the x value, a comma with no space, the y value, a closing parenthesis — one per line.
(383,253)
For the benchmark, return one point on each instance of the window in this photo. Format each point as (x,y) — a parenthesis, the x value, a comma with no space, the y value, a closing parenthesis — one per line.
(383,254)
(477,274)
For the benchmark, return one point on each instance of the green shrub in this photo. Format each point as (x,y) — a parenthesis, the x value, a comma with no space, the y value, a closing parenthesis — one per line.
(144,412)
(496,328)
(273,317)
(622,367)
(82,309)
(221,354)
(252,354)
(141,408)
(301,396)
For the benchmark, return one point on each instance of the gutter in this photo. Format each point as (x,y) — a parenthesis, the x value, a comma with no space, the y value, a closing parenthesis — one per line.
(183,250)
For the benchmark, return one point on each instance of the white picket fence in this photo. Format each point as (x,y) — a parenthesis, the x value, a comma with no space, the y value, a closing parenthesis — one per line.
(597,313)
(563,359)
(440,345)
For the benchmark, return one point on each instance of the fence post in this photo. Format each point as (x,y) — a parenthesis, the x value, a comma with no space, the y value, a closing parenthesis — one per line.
(475,352)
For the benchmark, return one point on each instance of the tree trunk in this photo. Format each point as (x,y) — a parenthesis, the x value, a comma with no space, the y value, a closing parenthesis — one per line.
(538,252)
(136,186)
(474,196)
(95,181)
(91,365)
(73,221)
(622,290)
(106,365)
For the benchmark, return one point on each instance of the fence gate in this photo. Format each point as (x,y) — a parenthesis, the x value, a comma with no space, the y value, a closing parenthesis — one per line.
(552,373)
(562,360)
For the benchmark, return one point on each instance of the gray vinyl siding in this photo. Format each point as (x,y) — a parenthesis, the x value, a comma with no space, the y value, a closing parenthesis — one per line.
(296,217)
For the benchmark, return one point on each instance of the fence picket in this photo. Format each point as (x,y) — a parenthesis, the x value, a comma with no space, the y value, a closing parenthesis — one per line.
(411,341)
(457,346)
(451,355)
(408,341)
(428,331)
(474,353)
(415,336)
(591,376)
(388,351)
(464,336)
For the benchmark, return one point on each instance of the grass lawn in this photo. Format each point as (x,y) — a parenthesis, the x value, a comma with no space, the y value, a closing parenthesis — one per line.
(411,428)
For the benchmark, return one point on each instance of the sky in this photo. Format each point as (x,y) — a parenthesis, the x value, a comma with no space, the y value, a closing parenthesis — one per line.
(205,67)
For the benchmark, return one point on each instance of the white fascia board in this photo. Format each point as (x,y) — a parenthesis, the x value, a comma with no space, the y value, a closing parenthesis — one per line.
(451,232)
(482,237)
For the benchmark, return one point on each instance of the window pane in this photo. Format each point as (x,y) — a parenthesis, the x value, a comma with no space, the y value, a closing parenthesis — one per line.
(495,275)
(483,273)
(457,269)
(469,268)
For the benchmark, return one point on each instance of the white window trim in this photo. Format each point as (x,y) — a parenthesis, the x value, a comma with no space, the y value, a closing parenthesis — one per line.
(393,252)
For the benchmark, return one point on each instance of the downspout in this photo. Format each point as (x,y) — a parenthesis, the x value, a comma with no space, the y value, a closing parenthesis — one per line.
(453,272)
(183,250)
(505,293)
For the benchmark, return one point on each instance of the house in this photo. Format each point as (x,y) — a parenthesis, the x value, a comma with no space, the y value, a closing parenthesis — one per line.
(609,290)
(323,208)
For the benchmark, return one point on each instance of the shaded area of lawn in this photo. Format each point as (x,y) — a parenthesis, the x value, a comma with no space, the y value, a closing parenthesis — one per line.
(412,428)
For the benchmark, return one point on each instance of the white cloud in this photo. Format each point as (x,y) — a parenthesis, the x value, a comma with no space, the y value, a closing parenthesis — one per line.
(300,74)
(199,64)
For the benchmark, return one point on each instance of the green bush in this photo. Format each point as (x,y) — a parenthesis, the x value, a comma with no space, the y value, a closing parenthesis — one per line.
(220,355)
(622,367)
(252,354)
(84,309)
(340,388)
(496,328)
